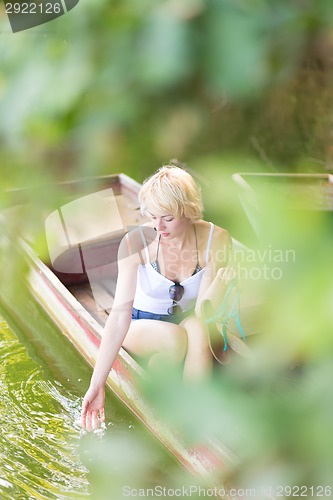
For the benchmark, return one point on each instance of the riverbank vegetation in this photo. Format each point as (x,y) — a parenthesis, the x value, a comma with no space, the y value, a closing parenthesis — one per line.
(224,86)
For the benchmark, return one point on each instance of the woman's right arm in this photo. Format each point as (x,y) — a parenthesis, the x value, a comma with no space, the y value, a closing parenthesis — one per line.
(115,331)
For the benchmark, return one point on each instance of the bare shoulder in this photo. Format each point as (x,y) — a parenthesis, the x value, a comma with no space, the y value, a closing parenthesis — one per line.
(220,235)
(220,247)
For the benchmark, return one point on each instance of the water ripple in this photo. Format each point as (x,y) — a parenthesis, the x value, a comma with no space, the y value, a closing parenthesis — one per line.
(39,438)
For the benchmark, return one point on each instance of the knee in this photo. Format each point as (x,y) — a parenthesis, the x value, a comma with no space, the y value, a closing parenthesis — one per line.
(195,327)
(192,322)
(180,345)
(197,335)
(177,345)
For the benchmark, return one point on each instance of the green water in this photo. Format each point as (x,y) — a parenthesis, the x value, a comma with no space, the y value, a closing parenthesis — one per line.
(40,435)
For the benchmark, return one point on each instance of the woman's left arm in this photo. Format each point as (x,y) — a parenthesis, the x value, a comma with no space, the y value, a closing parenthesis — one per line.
(220,256)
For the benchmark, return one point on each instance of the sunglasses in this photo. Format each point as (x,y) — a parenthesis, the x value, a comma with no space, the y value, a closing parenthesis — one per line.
(176,292)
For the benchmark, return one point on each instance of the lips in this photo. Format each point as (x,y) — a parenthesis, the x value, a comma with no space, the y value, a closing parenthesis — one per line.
(165,234)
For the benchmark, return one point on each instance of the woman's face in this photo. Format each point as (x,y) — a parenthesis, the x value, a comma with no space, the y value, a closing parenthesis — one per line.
(167,225)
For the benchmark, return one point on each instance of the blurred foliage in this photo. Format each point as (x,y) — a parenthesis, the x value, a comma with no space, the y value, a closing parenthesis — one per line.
(114,86)
(225,86)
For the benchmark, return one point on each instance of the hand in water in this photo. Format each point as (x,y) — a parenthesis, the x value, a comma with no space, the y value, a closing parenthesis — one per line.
(92,413)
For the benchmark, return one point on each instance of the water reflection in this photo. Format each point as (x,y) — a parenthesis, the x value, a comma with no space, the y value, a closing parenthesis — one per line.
(39,438)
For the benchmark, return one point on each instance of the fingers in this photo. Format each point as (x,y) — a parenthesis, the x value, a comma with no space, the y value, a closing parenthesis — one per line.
(83,421)
(90,419)
(220,272)
(84,414)
(225,274)
(94,420)
(102,415)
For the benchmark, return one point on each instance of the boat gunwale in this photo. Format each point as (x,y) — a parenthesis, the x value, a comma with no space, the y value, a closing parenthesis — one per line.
(202,461)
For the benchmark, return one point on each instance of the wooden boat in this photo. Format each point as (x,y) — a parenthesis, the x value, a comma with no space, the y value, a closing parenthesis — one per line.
(76,290)
(289,191)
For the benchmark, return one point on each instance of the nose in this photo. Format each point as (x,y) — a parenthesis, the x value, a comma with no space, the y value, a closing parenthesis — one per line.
(160,225)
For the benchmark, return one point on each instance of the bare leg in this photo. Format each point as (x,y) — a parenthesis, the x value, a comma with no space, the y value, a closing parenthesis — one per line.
(156,341)
(198,360)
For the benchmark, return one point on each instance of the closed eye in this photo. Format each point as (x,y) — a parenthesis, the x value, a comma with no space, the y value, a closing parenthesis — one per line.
(153,217)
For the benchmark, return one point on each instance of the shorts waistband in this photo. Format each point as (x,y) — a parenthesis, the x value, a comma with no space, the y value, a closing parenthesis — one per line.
(170,318)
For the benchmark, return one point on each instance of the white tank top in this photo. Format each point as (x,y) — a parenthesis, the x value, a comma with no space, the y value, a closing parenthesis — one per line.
(152,288)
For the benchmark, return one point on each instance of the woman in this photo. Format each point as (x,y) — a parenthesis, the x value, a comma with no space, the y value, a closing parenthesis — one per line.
(165,268)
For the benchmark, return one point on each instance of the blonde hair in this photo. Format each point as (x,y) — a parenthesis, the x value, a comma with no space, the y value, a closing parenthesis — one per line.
(171,190)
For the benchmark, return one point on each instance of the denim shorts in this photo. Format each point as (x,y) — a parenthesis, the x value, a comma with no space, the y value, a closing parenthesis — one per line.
(170,318)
